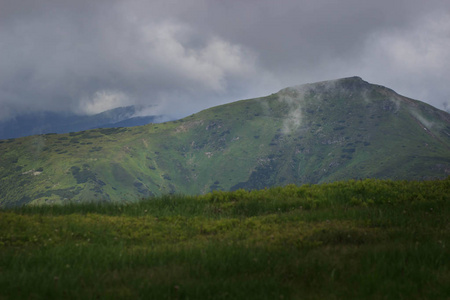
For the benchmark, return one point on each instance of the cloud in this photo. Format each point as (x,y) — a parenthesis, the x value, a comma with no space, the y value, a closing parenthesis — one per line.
(102,101)
(415,60)
(113,59)
(177,57)
(206,65)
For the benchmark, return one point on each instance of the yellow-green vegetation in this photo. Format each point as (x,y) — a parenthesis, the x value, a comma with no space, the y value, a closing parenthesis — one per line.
(368,239)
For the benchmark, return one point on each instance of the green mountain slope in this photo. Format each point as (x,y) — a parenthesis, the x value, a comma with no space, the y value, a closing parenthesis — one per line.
(313,133)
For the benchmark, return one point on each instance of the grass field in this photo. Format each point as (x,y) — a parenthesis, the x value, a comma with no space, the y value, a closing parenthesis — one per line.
(367,239)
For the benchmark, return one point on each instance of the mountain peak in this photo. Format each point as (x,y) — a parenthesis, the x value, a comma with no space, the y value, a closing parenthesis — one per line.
(346,86)
(353,82)
(352,79)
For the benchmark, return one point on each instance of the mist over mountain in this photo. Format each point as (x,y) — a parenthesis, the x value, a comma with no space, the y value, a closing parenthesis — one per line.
(53,122)
(321,132)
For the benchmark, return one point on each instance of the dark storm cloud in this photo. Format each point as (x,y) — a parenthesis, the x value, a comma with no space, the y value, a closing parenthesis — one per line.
(182,56)
(401,44)
(88,58)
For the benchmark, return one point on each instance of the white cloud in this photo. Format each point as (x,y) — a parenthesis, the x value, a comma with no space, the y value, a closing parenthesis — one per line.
(423,48)
(415,60)
(207,64)
(103,100)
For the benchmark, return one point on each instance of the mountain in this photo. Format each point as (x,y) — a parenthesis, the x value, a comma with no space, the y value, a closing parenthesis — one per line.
(313,133)
(52,122)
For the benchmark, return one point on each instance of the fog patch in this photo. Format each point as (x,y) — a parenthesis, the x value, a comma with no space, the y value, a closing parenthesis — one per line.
(156,111)
(38,145)
(293,121)
(397,104)
(293,98)
(102,101)
(422,120)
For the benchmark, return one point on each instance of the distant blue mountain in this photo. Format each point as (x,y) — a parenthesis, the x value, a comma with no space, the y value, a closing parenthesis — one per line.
(51,122)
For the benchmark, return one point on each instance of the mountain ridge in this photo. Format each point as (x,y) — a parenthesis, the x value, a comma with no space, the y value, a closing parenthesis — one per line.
(313,133)
(51,122)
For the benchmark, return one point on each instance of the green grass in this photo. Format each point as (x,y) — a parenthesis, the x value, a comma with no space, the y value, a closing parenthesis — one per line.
(367,239)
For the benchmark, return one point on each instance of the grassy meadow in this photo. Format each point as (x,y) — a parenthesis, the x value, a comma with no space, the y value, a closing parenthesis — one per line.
(369,239)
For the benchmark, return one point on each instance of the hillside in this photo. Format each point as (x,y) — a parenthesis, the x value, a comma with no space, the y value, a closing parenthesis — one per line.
(312,133)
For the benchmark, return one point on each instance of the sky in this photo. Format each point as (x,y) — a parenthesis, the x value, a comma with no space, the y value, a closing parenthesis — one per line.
(177,57)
